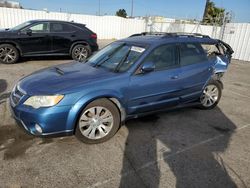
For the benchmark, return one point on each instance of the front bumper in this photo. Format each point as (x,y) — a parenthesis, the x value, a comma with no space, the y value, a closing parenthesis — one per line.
(52,121)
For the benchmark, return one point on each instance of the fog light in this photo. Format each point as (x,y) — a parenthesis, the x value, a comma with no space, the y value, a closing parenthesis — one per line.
(38,129)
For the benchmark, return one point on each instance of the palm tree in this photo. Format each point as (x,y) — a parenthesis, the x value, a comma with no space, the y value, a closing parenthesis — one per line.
(212,14)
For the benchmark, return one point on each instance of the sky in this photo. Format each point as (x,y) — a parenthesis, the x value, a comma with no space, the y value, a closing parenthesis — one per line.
(187,9)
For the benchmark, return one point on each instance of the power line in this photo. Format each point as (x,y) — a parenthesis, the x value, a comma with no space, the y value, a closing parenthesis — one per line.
(132,8)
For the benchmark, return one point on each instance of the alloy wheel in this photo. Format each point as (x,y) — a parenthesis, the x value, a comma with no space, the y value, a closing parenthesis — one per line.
(7,54)
(81,53)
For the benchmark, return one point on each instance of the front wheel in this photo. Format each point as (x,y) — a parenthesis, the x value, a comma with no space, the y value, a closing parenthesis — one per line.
(211,95)
(80,52)
(98,122)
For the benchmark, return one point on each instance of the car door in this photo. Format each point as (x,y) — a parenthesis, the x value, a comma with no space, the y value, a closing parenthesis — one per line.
(62,36)
(35,39)
(196,70)
(157,89)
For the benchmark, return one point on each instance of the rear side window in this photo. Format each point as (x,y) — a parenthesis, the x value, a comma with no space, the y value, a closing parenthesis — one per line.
(61,27)
(191,53)
(211,50)
(164,57)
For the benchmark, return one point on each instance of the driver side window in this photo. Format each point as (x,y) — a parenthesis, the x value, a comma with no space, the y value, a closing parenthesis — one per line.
(40,28)
(164,57)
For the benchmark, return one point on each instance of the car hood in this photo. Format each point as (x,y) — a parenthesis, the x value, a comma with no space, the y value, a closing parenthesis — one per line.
(62,79)
(6,33)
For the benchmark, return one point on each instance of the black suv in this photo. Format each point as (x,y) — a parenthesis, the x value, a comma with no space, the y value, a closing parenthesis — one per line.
(47,38)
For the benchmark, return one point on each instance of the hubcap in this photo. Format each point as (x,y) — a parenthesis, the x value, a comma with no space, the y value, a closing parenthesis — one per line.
(96,122)
(209,96)
(7,54)
(81,53)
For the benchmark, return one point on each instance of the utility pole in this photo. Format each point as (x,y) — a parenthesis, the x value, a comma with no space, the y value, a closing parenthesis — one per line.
(132,8)
(99,7)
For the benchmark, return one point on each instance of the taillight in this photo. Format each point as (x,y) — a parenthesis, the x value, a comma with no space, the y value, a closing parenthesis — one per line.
(93,36)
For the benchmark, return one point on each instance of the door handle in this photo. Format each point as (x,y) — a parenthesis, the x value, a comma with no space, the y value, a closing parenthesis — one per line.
(174,77)
(73,35)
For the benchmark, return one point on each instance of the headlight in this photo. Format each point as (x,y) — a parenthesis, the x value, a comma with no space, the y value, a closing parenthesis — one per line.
(43,101)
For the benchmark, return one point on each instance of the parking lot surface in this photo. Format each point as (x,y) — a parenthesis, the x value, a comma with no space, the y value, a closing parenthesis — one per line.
(181,148)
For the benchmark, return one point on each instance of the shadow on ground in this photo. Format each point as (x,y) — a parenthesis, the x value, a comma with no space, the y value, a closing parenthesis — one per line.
(175,138)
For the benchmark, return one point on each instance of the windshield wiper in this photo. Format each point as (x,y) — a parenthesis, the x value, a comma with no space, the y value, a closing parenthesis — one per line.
(106,58)
(122,61)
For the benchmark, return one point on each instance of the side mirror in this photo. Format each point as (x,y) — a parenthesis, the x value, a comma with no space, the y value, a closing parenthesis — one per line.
(28,32)
(147,67)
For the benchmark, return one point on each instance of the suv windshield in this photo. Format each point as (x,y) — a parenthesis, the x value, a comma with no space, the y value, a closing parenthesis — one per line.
(116,57)
(20,26)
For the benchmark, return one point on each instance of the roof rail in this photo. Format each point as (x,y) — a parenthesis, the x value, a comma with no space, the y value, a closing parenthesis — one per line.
(166,34)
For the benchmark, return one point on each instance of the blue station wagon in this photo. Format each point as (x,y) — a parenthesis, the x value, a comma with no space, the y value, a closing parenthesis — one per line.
(143,74)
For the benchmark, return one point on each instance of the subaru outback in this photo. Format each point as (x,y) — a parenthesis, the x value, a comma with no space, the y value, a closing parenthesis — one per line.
(143,74)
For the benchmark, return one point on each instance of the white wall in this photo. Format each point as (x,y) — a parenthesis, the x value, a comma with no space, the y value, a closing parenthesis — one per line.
(237,35)
(113,27)
(211,31)
(106,27)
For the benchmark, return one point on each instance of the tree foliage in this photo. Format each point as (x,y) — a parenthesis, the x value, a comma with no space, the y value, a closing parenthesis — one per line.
(121,13)
(213,15)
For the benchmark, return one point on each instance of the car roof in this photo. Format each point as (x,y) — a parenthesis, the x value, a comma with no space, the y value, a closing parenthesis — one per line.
(61,21)
(163,39)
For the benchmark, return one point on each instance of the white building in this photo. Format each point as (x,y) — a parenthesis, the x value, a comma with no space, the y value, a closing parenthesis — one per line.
(10,4)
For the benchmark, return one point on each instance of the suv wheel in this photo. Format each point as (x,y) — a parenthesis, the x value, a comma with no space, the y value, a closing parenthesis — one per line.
(98,122)
(80,52)
(211,95)
(8,54)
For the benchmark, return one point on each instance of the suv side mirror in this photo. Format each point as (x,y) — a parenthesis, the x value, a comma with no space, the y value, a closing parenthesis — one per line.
(148,67)
(28,32)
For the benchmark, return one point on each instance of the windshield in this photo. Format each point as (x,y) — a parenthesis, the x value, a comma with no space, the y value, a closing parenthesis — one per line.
(20,26)
(117,57)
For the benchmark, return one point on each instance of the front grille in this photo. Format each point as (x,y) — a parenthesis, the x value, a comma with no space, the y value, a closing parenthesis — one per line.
(16,95)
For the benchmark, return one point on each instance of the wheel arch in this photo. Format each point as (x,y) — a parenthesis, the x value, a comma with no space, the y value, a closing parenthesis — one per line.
(13,44)
(77,108)
(83,42)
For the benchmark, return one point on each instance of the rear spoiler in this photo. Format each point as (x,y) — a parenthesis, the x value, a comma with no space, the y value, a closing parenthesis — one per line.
(229,49)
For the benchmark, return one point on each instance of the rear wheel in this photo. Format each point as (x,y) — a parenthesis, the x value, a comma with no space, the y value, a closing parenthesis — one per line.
(80,52)
(8,54)
(98,122)
(211,95)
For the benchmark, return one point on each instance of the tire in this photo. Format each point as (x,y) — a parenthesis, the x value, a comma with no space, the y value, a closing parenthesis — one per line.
(211,95)
(98,122)
(80,52)
(8,54)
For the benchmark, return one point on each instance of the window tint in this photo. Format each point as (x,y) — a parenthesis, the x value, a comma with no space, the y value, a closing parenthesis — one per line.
(40,28)
(61,27)
(191,53)
(164,57)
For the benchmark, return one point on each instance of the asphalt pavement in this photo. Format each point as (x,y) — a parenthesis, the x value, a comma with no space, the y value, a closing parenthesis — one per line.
(182,148)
